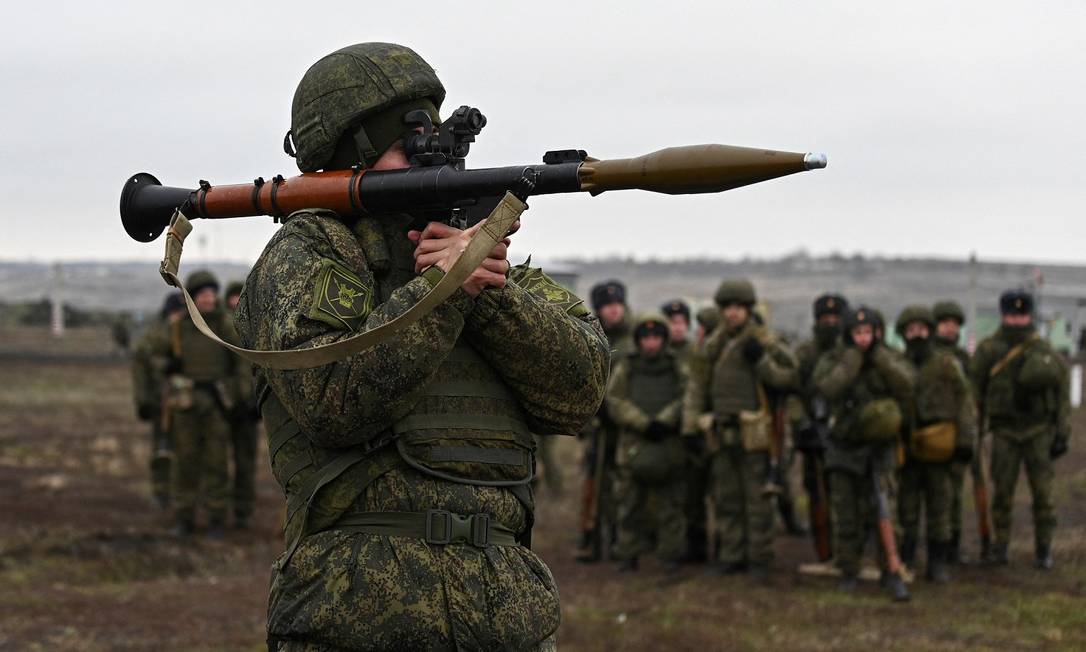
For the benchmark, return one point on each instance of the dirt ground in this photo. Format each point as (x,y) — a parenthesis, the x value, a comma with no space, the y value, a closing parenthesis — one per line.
(85,562)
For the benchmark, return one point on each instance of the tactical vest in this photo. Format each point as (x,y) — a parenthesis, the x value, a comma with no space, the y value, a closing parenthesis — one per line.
(732,387)
(466,428)
(202,359)
(937,397)
(654,382)
(1008,403)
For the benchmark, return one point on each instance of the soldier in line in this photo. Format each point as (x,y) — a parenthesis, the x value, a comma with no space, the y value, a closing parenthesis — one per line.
(644,398)
(943,430)
(812,428)
(726,402)
(597,499)
(406,466)
(866,384)
(149,363)
(949,319)
(708,318)
(205,384)
(677,314)
(1023,388)
(243,432)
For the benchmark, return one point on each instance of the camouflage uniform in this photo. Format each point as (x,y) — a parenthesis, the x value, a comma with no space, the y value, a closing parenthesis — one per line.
(941,395)
(148,382)
(644,398)
(1025,398)
(724,382)
(243,440)
(850,380)
(205,383)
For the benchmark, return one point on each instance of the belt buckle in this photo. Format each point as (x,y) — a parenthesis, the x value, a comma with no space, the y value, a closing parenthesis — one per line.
(480,530)
(432,515)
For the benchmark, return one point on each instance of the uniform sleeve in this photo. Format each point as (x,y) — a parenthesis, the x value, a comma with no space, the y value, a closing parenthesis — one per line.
(835,373)
(778,369)
(552,354)
(967,409)
(348,401)
(622,410)
(1063,398)
(899,374)
(145,382)
(695,398)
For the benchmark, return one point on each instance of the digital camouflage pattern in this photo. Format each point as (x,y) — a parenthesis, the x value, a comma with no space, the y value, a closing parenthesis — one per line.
(849,380)
(243,439)
(723,384)
(644,389)
(354,590)
(1024,420)
(957,469)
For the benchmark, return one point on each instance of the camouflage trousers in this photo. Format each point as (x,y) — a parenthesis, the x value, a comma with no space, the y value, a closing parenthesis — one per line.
(744,514)
(925,491)
(243,443)
(1009,455)
(161,460)
(648,513)
(855,515)
(201,435)
(695,511)
(549,645)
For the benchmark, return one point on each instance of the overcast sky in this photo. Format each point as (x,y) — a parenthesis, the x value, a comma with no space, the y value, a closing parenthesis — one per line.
(949,126)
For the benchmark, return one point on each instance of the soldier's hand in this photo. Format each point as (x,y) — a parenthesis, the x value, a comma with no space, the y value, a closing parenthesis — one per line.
(441,245)
(753,350)
(1059,448)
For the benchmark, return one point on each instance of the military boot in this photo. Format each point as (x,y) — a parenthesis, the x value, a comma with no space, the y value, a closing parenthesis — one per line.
(788,518)
(216,528)
(628,565)
(908,551)
(670,566)
(1043,557)
(898,591)
(760,574)
(848,582)
(954,549)
(998,555)
(936,571)
(182,528)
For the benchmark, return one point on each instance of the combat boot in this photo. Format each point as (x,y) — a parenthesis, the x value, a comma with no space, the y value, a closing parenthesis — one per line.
(759,574)
(848,583)
(788,518)
(936,571)
(216,530)
(1043,557)
(908,551)
(670,566)
(898,591)
(182,528)
(998,555)
(627,565)
(954,549)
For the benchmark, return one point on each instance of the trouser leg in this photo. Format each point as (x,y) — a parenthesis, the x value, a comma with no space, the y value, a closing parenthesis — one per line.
(1040,473)
(757,508)
(1006,459)
(727,489)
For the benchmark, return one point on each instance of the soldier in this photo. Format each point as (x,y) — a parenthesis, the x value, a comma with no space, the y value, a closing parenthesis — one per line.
(943,430)
(1024,393)
(597,498)
(708,319)
(149,363)
(726,401)
(812,428)
(949,319)
(678,324)
(865,383)
(644,398)
(406,466)
(205,383)
(243,434)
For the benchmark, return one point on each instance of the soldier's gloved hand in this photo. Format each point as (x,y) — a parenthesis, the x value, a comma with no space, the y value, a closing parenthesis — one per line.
(657,430)
(146,412)
(753,350)
(694,445)
(963,454)
(1059,447)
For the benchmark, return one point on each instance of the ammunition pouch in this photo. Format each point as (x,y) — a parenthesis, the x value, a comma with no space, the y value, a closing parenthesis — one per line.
(180,392)
(1040,371)
(755,428)
(934,443)
(879,421)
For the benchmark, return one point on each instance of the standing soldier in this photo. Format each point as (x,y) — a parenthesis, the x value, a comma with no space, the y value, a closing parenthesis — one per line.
(597,499)
(242,432)
(708,319)
(205,383)
(1024,393)
(866,384)
(149,361)
(949,319)
(812,430)
(644,398)
(943,430)
(727,402)
(407,466)
(677,314)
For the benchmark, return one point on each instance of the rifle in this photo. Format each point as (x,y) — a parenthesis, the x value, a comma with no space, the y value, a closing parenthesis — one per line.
(774,481)
(887,538)
(439,187)
(813,436)
(981,501)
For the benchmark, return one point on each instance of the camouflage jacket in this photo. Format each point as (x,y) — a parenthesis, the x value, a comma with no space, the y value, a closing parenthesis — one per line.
(942,393)
(149,360)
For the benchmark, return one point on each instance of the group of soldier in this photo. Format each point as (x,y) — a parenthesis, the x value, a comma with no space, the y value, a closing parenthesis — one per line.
(703,431)
(196,398)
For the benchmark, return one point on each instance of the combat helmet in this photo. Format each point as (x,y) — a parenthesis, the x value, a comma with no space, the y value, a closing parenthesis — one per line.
(709,318)
(911,314)
(948,310)
(739,291)
(201,279)
(350,104)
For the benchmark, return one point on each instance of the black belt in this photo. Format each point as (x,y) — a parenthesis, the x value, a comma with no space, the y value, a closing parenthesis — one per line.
(436,526)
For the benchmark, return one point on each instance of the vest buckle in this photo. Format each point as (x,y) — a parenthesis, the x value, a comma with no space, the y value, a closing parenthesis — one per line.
(444,527)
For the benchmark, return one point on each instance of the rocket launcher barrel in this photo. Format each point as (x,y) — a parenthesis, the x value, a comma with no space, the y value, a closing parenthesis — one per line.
(146,205)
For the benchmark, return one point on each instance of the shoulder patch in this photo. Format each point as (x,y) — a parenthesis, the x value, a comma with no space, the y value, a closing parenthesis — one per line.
(534,281)
(340,298)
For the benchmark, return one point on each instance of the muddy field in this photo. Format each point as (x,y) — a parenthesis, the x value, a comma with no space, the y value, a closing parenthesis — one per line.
(85,562)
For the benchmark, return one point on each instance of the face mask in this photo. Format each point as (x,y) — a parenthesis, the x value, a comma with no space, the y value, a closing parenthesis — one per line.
(1018,333)
(916,348)
(826,334)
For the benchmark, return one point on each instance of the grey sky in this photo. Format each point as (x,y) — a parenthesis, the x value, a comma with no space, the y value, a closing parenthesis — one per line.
(949,126)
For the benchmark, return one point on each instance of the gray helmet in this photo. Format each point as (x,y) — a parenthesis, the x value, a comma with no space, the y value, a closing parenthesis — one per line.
(361,91)
(735,291)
